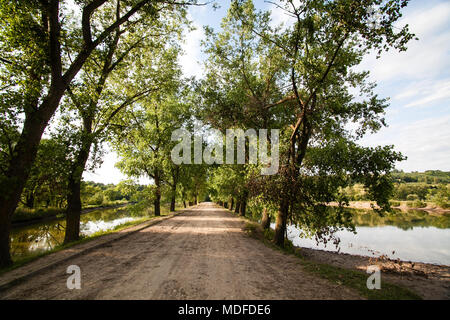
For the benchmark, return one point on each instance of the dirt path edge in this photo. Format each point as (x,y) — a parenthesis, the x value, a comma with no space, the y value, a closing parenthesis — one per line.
(34,267)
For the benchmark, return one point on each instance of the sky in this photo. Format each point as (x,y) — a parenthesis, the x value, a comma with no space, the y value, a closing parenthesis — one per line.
(416,81)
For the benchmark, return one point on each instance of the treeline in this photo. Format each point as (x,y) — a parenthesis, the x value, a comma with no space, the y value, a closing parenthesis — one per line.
(428,177)
(415,187)
(108,72)
(299,78)
(73,70)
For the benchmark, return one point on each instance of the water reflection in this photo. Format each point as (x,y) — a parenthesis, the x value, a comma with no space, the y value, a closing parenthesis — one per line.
(414,235)
(38,238)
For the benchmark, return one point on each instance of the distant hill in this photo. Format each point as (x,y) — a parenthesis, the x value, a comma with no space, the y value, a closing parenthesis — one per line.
(429,176)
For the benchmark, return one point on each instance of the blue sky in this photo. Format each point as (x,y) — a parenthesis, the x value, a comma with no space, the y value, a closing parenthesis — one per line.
(417,82)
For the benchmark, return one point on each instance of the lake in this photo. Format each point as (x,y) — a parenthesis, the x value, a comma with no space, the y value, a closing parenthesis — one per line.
(412,235)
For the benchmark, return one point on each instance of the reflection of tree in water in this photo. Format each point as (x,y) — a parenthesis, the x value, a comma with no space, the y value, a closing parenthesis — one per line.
(401,219)
(38,238)
(46,236)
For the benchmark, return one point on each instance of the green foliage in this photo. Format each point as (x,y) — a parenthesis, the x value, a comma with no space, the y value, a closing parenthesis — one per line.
(47,183)
(442,196)
(428,177)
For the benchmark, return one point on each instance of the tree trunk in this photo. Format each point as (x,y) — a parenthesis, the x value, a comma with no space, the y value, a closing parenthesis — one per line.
(231,204)
(225,205)
(157,202)
(184,203)
(265,220)
(30,200)
(13,182)
(196,202)
(73,212)
(238,206)
(173,199)
(280,227)
(243,208)
(243,204)
(5,229)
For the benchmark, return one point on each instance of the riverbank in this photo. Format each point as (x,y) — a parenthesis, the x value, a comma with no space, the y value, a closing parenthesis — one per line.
(53,215)
(430,208)
(428,280)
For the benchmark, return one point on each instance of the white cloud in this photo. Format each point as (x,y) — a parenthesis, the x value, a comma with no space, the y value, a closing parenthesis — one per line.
(425,142)
(426,92)
(190,60)
(425,58)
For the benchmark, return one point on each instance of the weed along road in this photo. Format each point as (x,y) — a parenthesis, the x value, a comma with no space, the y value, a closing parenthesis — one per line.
(202,253)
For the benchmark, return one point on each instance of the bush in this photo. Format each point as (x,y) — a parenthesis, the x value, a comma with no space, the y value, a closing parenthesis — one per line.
(412,197)
(394,203)
(442,196)
(96,199)
(24,214)
(416,204)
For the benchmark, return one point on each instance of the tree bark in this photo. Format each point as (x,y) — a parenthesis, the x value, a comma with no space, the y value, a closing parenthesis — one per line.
(184,203)
(73,212)
(243,208)
(280,224)
(231,204)
(265,220)
(173,198)
(238,206)
(157,202)
(13,182)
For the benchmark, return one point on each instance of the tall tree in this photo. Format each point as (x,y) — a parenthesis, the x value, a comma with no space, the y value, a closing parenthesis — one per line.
(143,135)
(43,47)
(244,81)
(95,98)
(322,45)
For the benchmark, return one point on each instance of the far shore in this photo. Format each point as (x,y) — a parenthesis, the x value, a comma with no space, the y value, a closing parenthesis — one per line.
(432,209)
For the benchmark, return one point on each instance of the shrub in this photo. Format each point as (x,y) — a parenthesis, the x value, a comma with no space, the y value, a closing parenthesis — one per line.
(412,197)
(416,204)
(395,203)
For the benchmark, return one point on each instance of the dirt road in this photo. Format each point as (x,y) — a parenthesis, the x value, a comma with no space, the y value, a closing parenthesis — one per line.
(200,254)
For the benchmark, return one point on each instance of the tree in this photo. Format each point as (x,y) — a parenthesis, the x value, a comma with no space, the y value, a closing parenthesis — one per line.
(320,157)
(95,99)
(43,47)
(143,135)
(243,84)
(47,181)
(313,66)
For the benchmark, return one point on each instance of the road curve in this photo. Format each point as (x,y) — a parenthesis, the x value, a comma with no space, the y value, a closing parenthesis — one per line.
(200,254)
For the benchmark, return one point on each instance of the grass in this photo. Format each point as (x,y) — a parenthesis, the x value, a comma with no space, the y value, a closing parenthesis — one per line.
(22,261)
(350,278)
